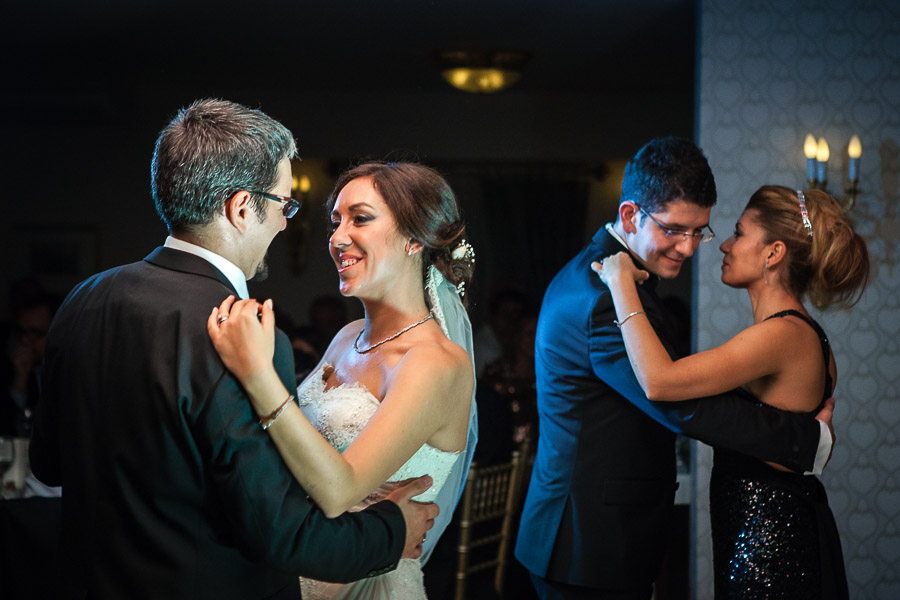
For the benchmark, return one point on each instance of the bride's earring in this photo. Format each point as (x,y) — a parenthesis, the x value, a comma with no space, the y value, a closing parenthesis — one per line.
(766,272)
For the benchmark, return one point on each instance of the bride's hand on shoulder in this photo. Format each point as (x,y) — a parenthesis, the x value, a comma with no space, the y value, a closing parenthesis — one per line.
(618,267)
(243,333)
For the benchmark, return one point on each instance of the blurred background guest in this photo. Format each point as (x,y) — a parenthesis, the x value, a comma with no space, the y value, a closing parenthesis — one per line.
(497,337)
(32,310)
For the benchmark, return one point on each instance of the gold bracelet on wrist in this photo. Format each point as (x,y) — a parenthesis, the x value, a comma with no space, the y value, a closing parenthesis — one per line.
(267,421)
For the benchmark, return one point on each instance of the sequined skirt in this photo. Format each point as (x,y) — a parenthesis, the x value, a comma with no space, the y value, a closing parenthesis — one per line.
(774,535)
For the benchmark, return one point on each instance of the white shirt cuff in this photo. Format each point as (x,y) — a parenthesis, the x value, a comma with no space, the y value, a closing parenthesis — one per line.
(824,451)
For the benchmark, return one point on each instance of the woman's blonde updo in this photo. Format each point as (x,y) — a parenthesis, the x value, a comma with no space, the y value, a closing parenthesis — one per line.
(426,211)
(832,265)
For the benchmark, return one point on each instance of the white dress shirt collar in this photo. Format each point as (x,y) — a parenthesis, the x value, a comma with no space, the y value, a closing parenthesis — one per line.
(228,268)
(618,238)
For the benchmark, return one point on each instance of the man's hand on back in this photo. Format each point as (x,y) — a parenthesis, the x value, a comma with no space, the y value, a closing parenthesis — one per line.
(419,516)
(825,415)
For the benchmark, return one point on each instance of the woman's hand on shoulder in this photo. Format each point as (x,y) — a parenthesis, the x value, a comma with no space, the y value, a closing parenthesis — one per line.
(243,333)
(618,267)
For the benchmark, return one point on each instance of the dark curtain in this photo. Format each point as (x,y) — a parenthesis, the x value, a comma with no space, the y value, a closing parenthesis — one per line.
(534,226)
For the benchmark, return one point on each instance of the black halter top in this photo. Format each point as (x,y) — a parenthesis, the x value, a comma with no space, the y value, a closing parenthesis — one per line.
(826,352)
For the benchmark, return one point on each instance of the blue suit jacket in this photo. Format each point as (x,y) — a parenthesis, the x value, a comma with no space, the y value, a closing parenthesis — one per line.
(599,502)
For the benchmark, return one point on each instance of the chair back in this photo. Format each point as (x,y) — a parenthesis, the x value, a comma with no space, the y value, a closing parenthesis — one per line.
(490,502)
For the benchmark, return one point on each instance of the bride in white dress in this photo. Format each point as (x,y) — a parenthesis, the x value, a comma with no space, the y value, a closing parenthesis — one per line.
(394,393)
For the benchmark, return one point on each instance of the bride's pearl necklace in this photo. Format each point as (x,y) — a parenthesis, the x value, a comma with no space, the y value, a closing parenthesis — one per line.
(387,339)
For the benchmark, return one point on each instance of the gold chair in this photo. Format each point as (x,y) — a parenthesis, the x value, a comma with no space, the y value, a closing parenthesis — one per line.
(490,502)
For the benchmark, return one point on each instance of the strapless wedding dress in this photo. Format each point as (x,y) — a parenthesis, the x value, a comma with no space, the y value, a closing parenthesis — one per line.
(339,414)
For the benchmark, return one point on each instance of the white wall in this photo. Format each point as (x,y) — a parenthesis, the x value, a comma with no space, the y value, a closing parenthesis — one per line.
(770,72)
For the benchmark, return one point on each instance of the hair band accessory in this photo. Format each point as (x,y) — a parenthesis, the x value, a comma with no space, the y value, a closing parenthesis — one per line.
(803,212)
(619,324)
(267,422)
(463,251)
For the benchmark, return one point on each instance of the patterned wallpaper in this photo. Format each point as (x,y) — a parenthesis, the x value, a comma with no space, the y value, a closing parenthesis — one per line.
(771,71)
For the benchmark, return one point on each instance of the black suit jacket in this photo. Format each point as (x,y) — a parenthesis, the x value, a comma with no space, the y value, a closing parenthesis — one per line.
(170,487)
(600,498)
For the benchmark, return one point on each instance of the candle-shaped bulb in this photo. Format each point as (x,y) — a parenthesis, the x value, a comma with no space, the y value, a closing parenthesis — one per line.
(854,149)
(822,151)
(809,149)
(809,146)
(822,156)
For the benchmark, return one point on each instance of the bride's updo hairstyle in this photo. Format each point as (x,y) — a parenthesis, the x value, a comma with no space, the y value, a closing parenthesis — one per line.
(831,266)
(426,211)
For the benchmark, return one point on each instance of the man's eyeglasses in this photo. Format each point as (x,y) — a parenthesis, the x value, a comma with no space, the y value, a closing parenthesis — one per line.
(703,236)
(290,207)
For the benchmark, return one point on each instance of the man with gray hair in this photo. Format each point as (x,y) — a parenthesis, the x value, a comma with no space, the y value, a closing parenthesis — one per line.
(171,488)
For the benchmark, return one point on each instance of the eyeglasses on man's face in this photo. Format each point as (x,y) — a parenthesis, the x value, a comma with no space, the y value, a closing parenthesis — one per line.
(290,207)
(680,234)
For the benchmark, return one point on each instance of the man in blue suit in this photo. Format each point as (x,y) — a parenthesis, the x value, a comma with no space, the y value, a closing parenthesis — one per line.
(596,518)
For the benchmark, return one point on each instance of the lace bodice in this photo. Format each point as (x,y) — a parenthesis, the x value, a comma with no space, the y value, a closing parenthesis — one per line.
(340,413)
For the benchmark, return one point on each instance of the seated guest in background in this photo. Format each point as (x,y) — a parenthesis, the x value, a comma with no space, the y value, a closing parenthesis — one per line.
(32,310)
(507,397)
(496,337)
(172,489)
(327,316)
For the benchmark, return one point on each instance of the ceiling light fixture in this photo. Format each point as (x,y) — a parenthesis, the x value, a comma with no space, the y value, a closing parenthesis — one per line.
(481,72)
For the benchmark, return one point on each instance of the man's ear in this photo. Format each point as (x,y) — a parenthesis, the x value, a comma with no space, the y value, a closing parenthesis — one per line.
(238,210)
(629,213)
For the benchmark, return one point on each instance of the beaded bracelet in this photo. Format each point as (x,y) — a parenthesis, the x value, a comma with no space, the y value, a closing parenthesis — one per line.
(266,422)
(619,324)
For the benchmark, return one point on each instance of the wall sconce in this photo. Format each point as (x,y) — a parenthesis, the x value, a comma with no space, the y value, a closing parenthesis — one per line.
(481,72)
(299,231)
(817,155)
(301,184)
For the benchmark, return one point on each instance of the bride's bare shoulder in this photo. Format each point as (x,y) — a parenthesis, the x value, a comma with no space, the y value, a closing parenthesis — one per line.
(344,338)
(440,355)
(350,330)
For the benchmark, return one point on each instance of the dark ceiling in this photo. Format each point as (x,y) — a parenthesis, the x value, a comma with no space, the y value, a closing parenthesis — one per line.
(60,52)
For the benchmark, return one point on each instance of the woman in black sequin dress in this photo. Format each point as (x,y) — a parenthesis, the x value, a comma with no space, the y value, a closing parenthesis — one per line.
(773,533)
